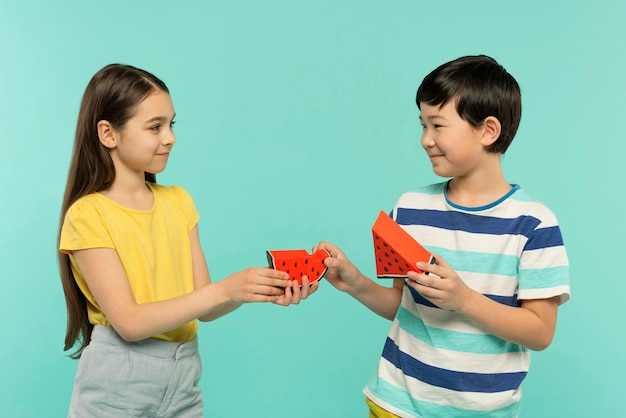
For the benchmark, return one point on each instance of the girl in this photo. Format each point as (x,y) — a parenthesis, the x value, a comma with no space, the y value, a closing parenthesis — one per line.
(133,272)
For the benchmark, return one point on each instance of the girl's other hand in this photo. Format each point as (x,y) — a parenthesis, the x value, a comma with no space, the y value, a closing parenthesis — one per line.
(295,293)
(257,285)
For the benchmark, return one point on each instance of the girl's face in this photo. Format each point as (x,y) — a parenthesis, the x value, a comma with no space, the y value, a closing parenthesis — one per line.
(144,143)
(453,145)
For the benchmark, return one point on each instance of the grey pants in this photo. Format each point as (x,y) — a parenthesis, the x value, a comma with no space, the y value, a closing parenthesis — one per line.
(148,378)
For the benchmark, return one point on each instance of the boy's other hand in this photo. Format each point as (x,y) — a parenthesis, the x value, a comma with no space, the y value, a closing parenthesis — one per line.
(442,286)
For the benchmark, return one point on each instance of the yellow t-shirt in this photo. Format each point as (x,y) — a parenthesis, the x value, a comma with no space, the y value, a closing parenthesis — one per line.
(153,246)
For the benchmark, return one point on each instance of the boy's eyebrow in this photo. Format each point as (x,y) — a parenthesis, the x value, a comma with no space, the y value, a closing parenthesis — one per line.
(433,117)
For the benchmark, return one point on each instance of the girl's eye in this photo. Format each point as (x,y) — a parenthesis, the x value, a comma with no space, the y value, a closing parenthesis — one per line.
(155,128)
(172,124)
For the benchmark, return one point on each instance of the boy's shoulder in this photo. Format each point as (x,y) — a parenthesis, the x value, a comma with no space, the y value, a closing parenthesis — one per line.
(516,203)
(426,197)
(429,189)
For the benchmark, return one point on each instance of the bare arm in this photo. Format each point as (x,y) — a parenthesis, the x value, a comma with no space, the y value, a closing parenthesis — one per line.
(108,282)
(201,277)
(344,275)
(532,325)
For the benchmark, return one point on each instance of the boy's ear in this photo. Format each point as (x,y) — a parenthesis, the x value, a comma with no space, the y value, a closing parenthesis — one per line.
(491,130)
(107,134)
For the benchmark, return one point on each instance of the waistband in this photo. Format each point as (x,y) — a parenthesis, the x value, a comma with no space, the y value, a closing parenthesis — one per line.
(149,346)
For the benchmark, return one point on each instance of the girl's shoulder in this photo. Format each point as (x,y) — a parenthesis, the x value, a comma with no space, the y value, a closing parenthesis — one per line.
(88,202)
(170,191)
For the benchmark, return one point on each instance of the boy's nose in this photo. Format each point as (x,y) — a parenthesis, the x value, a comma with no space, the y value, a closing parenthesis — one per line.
(427,141)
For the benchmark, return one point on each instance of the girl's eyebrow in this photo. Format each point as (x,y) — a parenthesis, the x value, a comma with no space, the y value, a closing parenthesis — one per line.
(160,119)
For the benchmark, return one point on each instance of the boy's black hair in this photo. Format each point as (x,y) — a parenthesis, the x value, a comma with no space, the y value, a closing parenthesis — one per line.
(481,87)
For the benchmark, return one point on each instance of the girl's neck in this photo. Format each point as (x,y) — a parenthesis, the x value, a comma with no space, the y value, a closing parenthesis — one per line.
(134,194)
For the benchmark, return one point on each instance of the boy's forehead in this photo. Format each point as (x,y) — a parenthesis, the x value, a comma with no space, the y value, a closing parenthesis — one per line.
(437,111)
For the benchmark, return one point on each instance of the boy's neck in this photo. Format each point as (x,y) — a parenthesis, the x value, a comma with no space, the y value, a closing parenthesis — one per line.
(479,189)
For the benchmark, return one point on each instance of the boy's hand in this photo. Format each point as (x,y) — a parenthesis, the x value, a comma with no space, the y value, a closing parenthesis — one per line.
(341,273)
(442,286)
(531,325)
(295,293)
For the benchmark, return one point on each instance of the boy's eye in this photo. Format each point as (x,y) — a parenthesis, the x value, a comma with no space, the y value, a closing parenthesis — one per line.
(155,128)
(172,123)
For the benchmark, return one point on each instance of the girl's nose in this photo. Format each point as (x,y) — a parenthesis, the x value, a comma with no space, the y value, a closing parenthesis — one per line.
(169,139)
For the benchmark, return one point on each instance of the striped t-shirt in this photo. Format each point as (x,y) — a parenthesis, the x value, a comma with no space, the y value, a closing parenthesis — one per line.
(438,363)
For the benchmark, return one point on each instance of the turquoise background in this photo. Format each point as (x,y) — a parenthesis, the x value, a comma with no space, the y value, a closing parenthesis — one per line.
(296,123)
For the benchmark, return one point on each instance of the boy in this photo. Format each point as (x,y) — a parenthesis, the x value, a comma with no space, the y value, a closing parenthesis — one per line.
(461,334)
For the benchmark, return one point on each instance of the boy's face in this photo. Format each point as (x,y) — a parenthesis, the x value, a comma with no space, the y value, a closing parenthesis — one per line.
(454,146)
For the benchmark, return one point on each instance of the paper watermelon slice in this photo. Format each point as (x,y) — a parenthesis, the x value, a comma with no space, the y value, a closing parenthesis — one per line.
(395,250)
(299,263)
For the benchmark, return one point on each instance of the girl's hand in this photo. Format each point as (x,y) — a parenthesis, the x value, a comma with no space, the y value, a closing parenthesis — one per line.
(257,285)
(341,273)
(295,293)
(442,286)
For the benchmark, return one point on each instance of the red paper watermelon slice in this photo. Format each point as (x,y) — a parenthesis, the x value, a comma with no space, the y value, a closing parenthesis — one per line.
(299,263)
(396,251)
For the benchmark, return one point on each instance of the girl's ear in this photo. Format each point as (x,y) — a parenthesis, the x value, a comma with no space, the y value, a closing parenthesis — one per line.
(106,134)
(491,130)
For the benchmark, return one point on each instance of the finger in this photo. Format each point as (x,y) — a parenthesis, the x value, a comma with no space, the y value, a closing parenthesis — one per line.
(313,288)
(267,290)
(332,262)
(304,290)
(272,273)
(296,293)
(332,249)
(420,279)
(271,277)
(432,268)
(288,300)
(263,298)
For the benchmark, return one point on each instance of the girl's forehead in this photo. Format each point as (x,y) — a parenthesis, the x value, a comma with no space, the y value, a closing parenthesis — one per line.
(156,104)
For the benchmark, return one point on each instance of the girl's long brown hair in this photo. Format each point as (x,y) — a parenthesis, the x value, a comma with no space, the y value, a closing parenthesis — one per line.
(112,95)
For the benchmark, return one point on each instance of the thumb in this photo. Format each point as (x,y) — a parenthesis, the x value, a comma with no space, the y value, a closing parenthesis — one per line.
(332,262)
